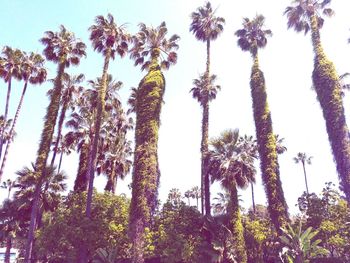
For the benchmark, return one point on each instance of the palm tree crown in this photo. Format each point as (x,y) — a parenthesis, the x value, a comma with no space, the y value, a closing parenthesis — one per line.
(229,163)
(10,63)
(63,47)
(32,68)
(300,12)
(107,35)
(205,25)
(253,36)
(203,92)
(150,43)
(303,158)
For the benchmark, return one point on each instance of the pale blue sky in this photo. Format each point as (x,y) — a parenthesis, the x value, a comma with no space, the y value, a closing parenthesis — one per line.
(286,61)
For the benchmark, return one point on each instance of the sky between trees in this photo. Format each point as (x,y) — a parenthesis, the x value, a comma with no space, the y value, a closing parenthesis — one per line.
(286,61)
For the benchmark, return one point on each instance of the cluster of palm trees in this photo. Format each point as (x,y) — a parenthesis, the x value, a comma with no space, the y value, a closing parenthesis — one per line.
(98,125)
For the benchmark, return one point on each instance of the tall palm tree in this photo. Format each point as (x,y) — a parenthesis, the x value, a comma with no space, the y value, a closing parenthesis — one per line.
(250,38)
(70,93)
(305,15)
(153,51)
(303,159)
(64,49)
(32,71)
(206,27)
(205,93)
(109,39)
(233,167)
(221,203)
(9,185)
(10,67)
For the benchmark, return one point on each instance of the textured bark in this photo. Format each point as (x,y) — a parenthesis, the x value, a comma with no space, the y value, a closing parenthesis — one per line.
(112,180)
(266,140)
(12,129)
(146,173)
(81,181)
(42,155)
(205,139)
(328,89)
(253,199)
(2,132)
(235,225)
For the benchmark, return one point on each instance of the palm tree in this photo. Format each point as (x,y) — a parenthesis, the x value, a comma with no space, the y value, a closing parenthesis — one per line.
(32,71)
(251,38)
(174,196)
(249,146)
(305,15)
(189,194)
(10,67)
(221,203)
(64,49)
(197,194)
(109,39)
(303,159)
(206,27)
(70,93)
(233,167)
(153,51)
(9,185)
(205,93)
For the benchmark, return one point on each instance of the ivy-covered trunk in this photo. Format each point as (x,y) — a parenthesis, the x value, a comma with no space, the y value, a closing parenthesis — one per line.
(43,153)
(328,89)
(146,173)
(12,129)
(236,228)
(277,205)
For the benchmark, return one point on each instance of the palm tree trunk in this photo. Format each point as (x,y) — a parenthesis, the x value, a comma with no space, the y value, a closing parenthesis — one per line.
(111,180)
(97,128)
(8,249)
(307,188)
(81,181)
(205,138)
(60,162)
(146,173)
(236,227)
(13,129)
(253,199)
(328,89)
(277,205)
(59,131)
(5,115)
(42,155)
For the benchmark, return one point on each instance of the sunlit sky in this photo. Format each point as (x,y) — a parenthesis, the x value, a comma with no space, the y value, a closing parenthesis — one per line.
(286,61)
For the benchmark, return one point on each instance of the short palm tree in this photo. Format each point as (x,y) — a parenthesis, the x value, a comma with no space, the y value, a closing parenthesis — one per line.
(250,38)
(197,194)
(174,196)
(32,71)
(206,27)
(109,39)
(10,67)
(154,52)
(64,49)
(9,185)
(305,15)
(233,167)
(303,159)
(221,203)
(188,194)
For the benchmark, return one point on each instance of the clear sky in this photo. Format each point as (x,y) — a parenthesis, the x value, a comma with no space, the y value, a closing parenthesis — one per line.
(286,61)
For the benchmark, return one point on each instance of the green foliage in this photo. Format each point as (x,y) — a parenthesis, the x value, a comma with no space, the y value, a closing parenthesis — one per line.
(67,228)
(178,236)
